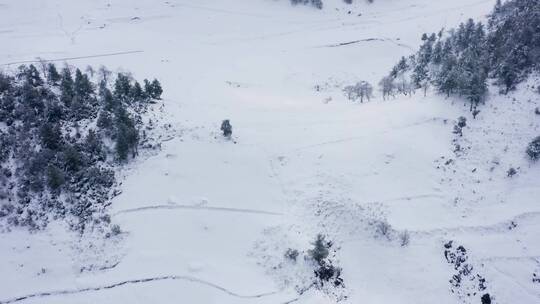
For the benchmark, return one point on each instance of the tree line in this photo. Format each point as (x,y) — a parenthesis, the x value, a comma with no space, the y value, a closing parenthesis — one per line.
(319,3)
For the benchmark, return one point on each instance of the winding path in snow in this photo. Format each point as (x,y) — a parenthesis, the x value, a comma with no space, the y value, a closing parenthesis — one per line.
(132,282)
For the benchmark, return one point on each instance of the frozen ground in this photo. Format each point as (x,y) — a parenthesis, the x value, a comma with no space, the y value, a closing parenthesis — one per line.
(208,221)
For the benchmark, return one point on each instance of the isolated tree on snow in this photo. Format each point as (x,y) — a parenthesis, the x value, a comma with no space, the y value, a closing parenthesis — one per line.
(226,128)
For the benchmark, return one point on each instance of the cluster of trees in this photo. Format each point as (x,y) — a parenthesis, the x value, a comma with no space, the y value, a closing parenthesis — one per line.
(319,3)
(61,134)
(461,61)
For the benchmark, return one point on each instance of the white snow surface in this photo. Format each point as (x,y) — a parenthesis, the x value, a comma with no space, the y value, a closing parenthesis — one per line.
(207,220)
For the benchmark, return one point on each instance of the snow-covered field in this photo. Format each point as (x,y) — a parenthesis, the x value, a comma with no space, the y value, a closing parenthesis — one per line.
(208,220)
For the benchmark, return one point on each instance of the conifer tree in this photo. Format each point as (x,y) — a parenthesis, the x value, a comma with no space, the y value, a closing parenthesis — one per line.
(67,91)
(53,77)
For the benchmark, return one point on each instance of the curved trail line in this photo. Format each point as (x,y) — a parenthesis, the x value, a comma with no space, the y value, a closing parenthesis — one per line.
(494,227)
(72,58)
(333,45)
(132,282)
(172,207)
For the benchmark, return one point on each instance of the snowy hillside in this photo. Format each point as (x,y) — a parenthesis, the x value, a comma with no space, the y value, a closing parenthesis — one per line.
(211,220)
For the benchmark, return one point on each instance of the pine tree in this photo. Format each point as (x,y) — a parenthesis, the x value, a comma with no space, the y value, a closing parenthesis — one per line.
(53,77)
(156,89)
(55,177)
(82,86)
(137,93)
(226,128)
(51,136)
(122,87)
(67,91)
(320,249)
(32,76)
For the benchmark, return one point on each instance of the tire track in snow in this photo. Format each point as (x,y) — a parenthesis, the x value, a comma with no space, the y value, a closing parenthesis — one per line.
(72,58)
(188,207)
(334,45)
(133,282)
(409,198)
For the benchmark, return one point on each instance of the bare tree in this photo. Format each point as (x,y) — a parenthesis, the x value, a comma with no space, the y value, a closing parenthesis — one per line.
(388,87)
(361,90)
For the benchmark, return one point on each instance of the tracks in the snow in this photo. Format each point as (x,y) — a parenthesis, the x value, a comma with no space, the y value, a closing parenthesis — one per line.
(195,207)
(366,40)
(503,225)
(132,282)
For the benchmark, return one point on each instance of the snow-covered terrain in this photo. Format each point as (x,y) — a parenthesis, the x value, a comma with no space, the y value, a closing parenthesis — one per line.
(208,220)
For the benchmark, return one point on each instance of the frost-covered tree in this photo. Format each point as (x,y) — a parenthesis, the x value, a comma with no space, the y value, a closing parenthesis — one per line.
(362,90)
(387,87)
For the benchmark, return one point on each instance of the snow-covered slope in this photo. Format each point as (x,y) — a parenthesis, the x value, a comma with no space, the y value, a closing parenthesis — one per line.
(208,220)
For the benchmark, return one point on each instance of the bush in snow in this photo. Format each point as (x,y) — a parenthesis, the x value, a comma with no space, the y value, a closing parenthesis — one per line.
(383,228)
(115,230)
(291,254)
(537,111)
(511,172)
(533,149)
(404,238)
